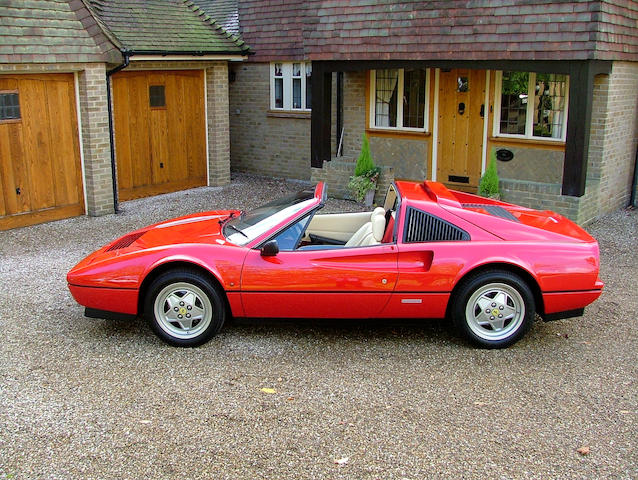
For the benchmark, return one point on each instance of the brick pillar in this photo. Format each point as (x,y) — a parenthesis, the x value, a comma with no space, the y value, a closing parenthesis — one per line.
(95,140)
(218,125)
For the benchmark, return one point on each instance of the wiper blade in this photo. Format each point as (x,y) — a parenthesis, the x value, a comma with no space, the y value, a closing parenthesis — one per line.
(233,227)
(224,220)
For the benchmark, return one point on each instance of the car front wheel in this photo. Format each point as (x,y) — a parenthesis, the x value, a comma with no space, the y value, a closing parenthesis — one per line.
(184,308)
(493,309)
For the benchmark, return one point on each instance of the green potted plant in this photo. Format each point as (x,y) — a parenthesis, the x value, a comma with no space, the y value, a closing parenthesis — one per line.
(488,185)
(364,182)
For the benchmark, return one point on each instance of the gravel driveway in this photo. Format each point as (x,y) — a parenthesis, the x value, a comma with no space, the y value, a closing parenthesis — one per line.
(96,399)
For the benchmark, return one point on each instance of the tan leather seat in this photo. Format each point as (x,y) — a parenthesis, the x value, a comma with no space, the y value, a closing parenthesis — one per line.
(371,233)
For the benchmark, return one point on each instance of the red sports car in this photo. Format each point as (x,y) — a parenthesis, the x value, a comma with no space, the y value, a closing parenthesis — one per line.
(429,252)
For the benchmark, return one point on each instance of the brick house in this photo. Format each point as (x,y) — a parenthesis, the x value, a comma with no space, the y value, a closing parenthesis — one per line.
(549,89)
(63,150)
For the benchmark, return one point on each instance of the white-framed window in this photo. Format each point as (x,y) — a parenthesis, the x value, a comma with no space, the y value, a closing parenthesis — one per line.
(531,105)
(291,86)
(399,99)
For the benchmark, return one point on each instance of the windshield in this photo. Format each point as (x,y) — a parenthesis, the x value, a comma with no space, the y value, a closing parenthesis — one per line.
(250,225)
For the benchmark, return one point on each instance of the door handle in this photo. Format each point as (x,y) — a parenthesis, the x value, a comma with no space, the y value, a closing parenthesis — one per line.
(461,108)
(482,110)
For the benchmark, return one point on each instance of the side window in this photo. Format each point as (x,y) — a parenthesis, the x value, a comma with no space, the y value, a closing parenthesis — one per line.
(289,239)
(423,227)
(9,106)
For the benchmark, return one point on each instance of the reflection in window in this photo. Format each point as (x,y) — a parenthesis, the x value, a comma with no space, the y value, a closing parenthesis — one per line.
(463,84)
(414,98)
(514,92)
(296,85)
(400,98)
(9,106)
(533,105)
(279,86)
(157,95)
(549,104)
(290,85)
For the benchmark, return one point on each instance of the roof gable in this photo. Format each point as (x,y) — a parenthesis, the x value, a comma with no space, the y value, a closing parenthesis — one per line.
(51,31)
(165,26)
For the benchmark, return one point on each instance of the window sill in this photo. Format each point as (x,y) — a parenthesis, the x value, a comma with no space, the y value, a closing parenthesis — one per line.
(529,142)
(383,133)
(288,114)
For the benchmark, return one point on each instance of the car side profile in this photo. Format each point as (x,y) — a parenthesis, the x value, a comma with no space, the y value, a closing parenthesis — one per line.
(428,252)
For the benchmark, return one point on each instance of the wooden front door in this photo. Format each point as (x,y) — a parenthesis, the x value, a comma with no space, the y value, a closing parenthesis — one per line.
(160,136)
(40,166)
(460,131)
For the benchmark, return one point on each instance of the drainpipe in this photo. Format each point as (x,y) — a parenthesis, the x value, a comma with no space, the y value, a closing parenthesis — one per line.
(109,73)
(339,149)
(634,185)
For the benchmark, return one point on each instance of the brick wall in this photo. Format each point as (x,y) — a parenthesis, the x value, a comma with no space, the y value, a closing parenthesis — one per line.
(96,145)
(614,136)
(265,142)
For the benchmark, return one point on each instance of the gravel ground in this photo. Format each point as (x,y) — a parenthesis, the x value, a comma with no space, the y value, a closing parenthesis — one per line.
(97,399)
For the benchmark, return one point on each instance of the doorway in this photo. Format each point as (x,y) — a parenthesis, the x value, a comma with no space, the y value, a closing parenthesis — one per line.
(461,121)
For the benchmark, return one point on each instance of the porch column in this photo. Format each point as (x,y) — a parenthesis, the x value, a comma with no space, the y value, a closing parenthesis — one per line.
(321,116)
(218,124)
(96,145)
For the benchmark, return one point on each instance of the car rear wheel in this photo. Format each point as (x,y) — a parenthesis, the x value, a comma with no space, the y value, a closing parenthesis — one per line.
(184,308)
(493,309)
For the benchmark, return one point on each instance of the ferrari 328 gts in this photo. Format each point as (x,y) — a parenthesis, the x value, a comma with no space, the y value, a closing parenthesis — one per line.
(428,252)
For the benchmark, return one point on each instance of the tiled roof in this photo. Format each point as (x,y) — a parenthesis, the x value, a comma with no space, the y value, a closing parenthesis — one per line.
(49,31)
(224,12)
(440,29)
(168,26)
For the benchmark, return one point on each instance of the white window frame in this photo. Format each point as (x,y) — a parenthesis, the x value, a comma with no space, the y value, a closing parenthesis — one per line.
(400,86)
(286,70)
(529,114)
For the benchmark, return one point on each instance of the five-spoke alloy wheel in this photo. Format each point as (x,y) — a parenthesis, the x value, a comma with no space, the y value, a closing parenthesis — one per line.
(493,309)
(184,308)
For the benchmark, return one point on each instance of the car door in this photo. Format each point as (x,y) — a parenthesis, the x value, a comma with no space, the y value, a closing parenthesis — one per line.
(336,282)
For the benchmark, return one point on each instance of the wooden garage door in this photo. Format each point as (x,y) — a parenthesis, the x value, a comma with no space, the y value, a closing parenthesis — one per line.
(40,168)
(160,138)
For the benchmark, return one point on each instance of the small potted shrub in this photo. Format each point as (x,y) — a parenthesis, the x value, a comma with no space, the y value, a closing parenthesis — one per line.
(488,185)
(364,182)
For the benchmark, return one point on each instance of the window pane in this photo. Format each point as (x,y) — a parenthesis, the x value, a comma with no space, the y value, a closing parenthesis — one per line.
(386,98)
(296,93)
(308,85)
(549,105)
(296,69)
(514,102)
(279,93)
(414,98)
(157,96)
(278,70)
(9,106)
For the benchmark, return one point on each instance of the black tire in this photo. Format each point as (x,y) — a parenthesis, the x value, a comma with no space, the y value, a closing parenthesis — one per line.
(190,296)
(493,309)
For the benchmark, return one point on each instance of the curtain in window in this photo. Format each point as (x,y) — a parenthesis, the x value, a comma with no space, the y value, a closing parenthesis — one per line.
(386,83)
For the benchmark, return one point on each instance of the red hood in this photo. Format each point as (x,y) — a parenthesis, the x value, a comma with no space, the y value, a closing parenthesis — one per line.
(196,228)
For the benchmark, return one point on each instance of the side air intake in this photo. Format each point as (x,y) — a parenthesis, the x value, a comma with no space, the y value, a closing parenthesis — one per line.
(125,241)
(423,227)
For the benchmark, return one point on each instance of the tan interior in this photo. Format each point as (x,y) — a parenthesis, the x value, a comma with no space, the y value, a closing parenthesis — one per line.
(338,226)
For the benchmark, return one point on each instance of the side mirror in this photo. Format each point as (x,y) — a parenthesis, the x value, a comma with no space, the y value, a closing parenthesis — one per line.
(270,248)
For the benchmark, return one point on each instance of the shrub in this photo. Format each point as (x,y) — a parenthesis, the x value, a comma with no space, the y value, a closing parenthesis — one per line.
(488,185)
(364,162)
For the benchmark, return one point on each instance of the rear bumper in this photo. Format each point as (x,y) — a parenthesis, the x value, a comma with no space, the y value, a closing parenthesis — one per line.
(115,300)
(563,304)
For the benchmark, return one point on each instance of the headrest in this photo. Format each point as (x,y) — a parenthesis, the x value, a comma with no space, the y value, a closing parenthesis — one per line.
(379,211)
(378,227)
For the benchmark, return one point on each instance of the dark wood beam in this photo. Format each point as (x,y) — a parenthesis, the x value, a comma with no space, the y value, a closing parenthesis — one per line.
(581,96)
(321,116)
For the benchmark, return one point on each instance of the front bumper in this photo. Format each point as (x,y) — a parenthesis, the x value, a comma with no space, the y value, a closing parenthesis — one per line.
(116,300)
